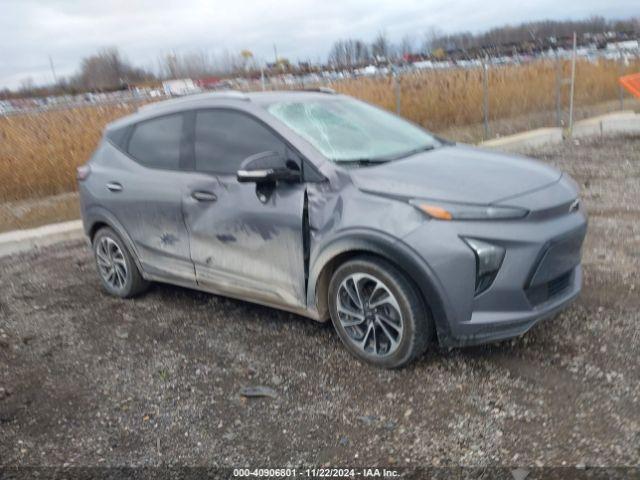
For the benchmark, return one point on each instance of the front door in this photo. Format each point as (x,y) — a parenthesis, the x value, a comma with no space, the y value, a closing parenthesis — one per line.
(245,241)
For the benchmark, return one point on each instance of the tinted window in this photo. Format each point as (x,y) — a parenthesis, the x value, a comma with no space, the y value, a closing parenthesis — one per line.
(118,136)
(156,143)
(223,139)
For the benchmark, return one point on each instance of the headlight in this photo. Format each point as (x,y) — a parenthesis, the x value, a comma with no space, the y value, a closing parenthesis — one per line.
(461,211)
(488,260)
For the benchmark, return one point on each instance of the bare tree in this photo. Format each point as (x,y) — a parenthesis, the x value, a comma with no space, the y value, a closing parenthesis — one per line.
(349,53)
(530,33)
(195,64)
(431,38)
(27,86)
(380,48)
(407,45)
(201,64)
(107,69)
(362,52)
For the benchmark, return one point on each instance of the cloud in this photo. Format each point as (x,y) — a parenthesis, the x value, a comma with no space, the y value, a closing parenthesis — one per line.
(68,30)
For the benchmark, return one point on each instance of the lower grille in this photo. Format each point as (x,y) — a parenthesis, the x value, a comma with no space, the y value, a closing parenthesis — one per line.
(549,290)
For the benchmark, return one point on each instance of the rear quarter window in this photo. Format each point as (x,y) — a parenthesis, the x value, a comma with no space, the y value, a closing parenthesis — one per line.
(156,143)
(117,136)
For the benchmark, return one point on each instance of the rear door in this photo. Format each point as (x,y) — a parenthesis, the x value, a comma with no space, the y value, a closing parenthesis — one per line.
(246,240)
(143,189)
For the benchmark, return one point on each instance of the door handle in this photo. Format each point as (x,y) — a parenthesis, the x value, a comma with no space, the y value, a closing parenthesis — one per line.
(203,196)
(114,186)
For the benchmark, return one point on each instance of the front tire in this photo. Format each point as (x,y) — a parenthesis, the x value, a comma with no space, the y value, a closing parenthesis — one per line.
(118,271)
(378,312)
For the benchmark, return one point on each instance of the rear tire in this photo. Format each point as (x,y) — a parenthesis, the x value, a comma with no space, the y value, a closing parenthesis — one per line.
(378,312)
(117,270)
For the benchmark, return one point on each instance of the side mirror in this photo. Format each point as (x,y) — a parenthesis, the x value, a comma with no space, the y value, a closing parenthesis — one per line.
(268,167)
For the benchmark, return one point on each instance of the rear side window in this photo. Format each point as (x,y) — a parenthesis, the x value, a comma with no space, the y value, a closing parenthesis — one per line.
(223,139)
(156,143)
(118,136)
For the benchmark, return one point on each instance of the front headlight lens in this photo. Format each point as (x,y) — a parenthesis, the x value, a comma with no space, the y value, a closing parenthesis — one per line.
(488,261)
(462,211)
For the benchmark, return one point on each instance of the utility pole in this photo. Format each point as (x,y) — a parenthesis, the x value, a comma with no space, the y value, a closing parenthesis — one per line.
(558,90)
(396,83)
(573,83)
(485,97)
(53,71)
(275,54)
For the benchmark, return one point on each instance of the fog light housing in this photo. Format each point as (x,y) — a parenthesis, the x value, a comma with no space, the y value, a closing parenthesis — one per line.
(488,261)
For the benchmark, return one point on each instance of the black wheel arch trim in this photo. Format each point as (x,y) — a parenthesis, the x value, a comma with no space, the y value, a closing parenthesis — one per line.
(396,252)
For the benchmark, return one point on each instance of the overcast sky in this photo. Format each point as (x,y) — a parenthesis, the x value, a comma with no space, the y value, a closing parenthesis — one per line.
(67,30)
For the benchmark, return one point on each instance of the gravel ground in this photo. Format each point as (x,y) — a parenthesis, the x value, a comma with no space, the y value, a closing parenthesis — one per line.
(86,379)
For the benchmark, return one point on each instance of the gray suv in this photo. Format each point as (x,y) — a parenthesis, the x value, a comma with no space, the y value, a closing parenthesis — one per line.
(331,208)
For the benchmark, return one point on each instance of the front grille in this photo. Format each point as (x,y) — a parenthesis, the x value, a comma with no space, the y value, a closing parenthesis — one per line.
(558,285)
(549,290)
(560,256)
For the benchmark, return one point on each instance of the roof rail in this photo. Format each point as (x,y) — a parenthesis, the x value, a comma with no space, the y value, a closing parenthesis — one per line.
(230,94)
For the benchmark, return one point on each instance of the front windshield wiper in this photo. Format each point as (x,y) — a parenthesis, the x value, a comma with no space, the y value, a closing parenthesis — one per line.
(363,162)
(413,151)
(367,161)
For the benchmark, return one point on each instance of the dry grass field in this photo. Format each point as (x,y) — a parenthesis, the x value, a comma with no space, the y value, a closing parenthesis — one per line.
(39,152)
(442,99)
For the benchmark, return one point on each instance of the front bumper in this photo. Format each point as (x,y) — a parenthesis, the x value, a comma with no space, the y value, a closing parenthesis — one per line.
(540,274)
(493,326)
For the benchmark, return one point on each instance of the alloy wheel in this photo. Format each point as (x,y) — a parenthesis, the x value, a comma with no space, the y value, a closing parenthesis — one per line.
(111,263)
(369,314)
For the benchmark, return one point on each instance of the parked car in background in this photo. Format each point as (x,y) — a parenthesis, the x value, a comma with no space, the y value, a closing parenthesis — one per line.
(331,208)
(180,87)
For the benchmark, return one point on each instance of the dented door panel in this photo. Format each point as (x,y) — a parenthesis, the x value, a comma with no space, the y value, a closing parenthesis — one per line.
(249,241)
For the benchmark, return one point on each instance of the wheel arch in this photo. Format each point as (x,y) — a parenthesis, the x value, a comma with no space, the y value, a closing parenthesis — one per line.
(354,243)
(99,217)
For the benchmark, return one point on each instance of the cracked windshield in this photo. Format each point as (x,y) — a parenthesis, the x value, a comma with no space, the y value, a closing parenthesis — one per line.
(351,131)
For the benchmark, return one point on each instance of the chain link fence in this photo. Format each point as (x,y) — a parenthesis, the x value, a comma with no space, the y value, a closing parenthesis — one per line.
(468,101)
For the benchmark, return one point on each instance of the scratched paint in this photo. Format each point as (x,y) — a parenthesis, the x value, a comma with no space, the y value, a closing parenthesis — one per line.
(225,238)
(339,207)
(245,246)
(168,239)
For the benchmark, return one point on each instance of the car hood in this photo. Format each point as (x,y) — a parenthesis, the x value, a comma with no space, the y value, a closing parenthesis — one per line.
(457,173)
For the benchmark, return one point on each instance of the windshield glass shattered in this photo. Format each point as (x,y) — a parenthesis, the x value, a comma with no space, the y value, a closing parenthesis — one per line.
(346,130)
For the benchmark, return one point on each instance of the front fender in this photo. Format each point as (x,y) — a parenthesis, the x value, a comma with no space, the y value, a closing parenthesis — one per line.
(393,250)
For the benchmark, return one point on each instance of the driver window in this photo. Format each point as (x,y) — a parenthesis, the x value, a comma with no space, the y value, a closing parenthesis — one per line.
(224,138)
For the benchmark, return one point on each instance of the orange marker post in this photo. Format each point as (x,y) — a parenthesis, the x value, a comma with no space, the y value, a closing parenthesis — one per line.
(631,83)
